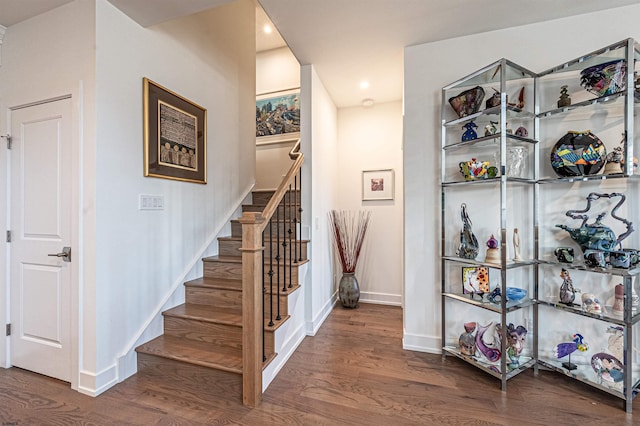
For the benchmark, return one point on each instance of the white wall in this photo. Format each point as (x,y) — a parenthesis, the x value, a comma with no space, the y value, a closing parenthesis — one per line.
(276,70)
(209,59)
(371,139)
(319,133)
(430,66)
(45,57)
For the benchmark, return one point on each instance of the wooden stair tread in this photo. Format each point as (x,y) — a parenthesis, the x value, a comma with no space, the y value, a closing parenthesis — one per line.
(273,218)
(276,323)
(228,259)
(287,292)
(228,316)
(266,238)
(194,352)
(217,283)
(206,313)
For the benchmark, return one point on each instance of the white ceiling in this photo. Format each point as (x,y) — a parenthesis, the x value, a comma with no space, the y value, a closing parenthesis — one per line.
(14,11)
(353,40)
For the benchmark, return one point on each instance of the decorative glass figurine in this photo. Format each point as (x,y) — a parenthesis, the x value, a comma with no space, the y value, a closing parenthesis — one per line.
(618,304)
(565,99)
(567,348)
(567,291)
(476,170)
(467,340)
(615,159)
(591,304)
(516,245)
(491,128)
(517,161)
(469,134)
(488,341)
(469,247)
(515,337)
(596,236)
(493,251)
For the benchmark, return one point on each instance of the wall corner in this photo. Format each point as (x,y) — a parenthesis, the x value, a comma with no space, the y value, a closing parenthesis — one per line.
(3,30)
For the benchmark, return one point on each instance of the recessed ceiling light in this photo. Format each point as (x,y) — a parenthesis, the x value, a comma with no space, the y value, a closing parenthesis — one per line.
(364,84)
(267,29)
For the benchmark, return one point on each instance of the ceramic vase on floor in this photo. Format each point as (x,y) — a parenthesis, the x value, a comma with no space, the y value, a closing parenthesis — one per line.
(349,229)
(349,291)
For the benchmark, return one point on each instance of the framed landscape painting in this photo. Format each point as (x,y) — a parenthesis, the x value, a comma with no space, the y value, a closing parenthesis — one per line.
(278,116)
(175,135)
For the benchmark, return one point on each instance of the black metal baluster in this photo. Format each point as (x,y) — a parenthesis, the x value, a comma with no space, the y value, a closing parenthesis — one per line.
(285,223)
(290,232)
(299,200)
(278,257)
(264,291)
(295,219)
(270,273)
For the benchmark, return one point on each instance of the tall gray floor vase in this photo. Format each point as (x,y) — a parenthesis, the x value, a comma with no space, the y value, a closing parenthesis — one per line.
(349,290)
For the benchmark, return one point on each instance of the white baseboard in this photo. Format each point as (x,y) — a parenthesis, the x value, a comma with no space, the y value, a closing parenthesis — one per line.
(313,326)
(127,365)
(422,343)
(381,298)
(94,384)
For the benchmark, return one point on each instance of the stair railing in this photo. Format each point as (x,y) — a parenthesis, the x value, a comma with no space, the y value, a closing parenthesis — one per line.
(253,276)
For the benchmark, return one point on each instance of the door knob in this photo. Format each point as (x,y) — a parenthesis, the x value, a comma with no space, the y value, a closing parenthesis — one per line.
(65,254)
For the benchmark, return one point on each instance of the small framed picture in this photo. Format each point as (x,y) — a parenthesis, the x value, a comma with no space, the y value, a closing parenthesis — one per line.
(377,185)
(175,135)
(475,279)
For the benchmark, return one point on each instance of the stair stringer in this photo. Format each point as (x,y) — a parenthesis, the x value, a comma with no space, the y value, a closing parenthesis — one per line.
(127,361)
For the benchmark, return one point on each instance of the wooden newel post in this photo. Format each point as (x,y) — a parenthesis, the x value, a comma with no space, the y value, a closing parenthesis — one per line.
(252,316)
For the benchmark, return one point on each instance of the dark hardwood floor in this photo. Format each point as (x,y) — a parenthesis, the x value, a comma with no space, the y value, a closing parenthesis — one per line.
(353,372)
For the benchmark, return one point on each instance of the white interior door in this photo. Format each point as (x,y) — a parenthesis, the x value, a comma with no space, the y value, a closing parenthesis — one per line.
(41,225)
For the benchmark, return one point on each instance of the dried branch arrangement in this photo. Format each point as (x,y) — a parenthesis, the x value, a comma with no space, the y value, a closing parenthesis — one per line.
(349,229)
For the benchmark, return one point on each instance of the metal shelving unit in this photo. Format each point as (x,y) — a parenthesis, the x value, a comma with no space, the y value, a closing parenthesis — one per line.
(501,203)
(610,114)
(491,208)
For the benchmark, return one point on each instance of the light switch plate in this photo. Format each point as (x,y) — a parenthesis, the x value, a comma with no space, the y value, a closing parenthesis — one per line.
(150,202)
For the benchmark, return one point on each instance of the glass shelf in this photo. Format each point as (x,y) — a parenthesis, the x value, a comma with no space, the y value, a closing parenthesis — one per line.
(581,267)
(511,264)
(495,180)
(593,178)
(603,100)
(485,304)
(577,309)
(494,370)
(597,57)
(488,140)
(586,374)
(491,74)
(512,112)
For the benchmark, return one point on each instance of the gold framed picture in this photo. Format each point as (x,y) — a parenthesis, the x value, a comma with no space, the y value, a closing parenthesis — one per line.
(175,135)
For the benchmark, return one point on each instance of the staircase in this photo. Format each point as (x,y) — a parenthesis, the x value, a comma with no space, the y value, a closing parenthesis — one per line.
(210,330)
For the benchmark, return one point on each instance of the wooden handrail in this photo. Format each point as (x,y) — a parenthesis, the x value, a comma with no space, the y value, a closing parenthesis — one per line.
(298,158)
(253,224)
